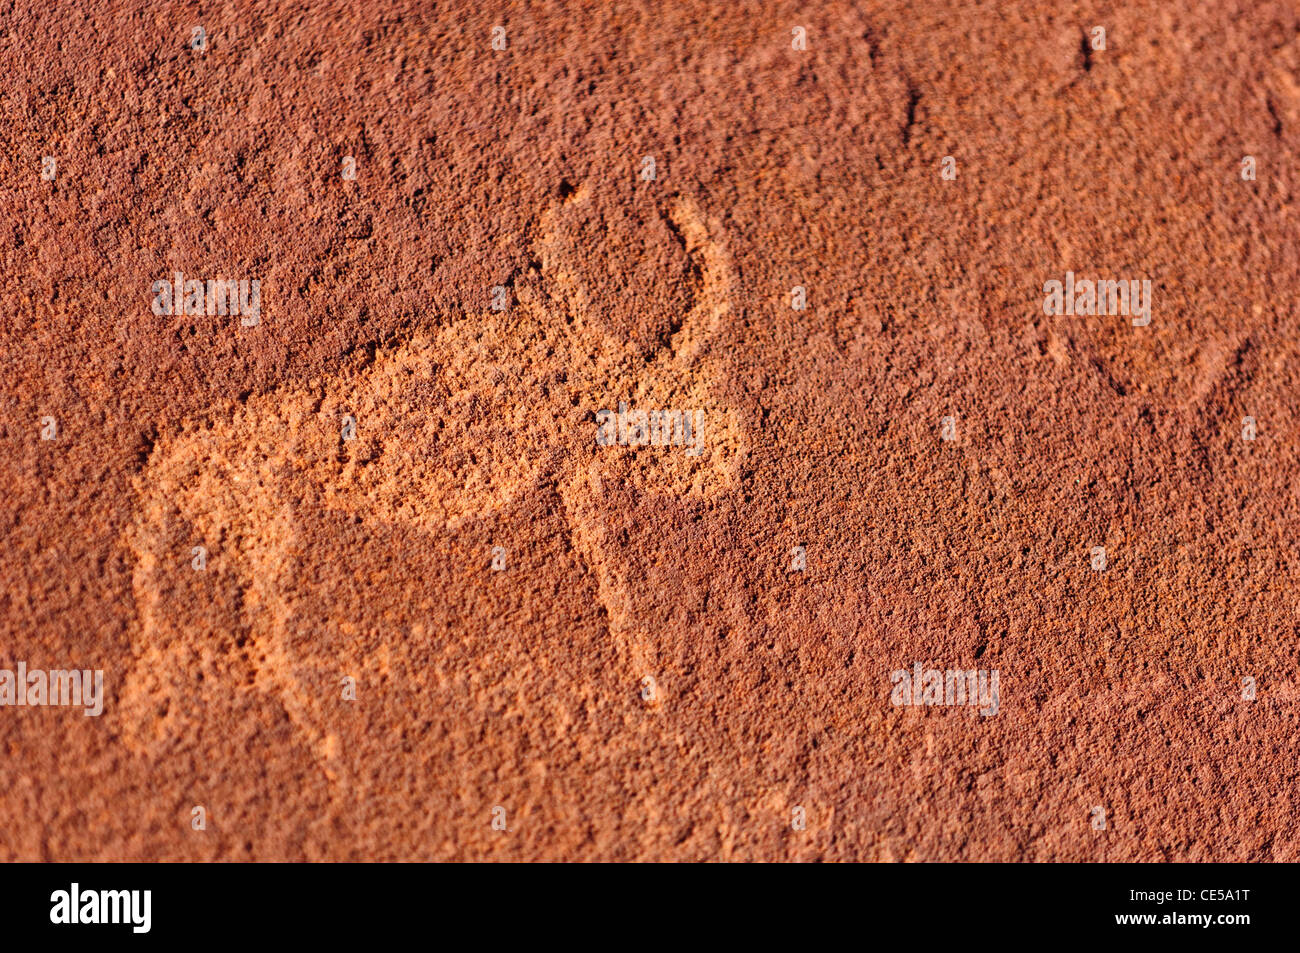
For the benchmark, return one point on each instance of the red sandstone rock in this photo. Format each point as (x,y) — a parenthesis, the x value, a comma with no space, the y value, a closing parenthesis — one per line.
(648,677)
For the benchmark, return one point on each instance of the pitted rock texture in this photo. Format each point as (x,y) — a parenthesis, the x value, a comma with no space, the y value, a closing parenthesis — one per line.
(679,649)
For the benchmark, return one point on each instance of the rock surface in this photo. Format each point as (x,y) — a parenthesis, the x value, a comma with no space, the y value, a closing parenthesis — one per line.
(650,676)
